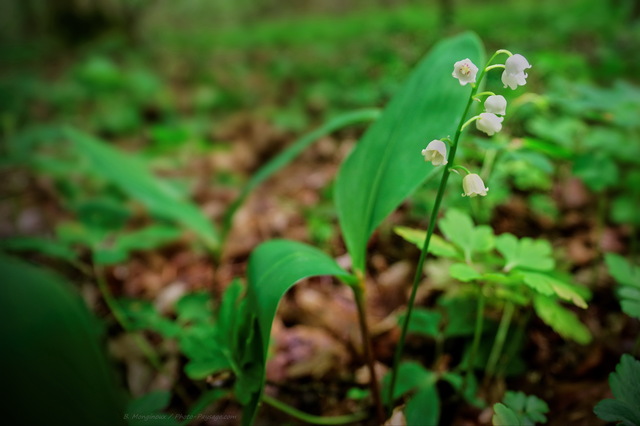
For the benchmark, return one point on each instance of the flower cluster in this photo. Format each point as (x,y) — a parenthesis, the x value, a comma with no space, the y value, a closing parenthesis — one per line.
(489,121)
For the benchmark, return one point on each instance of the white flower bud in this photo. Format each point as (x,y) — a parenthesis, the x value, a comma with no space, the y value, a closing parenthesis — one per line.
(436,152)
(473,185)
(496,104)
(489,123)
(513,74)
(465,71)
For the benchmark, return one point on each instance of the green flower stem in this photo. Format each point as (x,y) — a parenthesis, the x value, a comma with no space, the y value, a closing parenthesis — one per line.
(459,167)
(477,334)
(492,67)
(469,121)
(501,336)
(483,94)
(358,292)
(310,418)
(425,248)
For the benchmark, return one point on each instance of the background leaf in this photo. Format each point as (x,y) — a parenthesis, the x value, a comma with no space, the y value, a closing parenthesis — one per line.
(133,177)
(628,277)
(458,228)
(625,385)
(562,320)
(386,165)
(525,252)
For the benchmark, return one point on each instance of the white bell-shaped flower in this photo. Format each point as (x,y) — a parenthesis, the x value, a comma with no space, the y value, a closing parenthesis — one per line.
(436,152)
(513,74)
(473,185)
(465,71)
(495,104)
(489,123)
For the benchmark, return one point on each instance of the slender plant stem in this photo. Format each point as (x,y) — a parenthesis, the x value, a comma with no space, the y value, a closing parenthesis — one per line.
(501,336)
(310,418)
(477,334)
(430,229)
(358,291)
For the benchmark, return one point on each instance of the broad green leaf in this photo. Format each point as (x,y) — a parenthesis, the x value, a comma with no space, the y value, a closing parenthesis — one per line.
(423,321)
(53,248)
(437,245)
(562,320)
(194,307)
(547,285)
(504,416)
(291,152)
(529,408)
(142,315)
(50,338)
(386,166)
(625,386)
(423,408)
(460,230)
(274,267)
(463,272)
(133,177)
(628,277)
(525,253)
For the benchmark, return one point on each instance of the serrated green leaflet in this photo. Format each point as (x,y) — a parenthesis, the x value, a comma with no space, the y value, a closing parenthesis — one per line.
(628,277)
(437,246)
(133,177)
(386,165)
(525,253)
(562,320)
(625,386)
(548,285)
(458,228)
(463,272)
(274,267)
(504,416)
(529,408)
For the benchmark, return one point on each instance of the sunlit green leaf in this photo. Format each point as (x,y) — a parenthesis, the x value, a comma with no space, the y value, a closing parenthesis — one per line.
(437,245)
(459,229)
(463,272)
(525,252)
(562,320)
(548,286)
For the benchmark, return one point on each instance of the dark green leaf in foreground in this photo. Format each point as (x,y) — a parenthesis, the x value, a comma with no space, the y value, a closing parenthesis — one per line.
(54,369)
(625,386)
(386,165)
(134,178)
(628,277)
(274,267)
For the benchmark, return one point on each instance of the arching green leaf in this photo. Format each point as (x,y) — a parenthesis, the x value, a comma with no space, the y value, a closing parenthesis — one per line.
(386,165)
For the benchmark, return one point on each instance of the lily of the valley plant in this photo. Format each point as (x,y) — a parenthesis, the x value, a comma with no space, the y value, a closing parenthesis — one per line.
(490,122)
